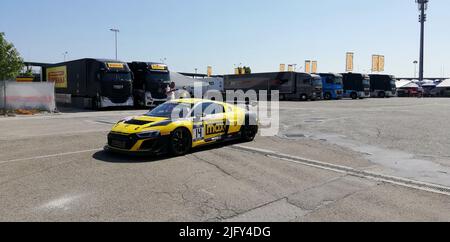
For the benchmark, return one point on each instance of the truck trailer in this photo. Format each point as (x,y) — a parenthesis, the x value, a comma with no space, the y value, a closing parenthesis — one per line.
(356,85)
(291,85)
(382,86)
(91,83)
(149,83)
(332,86)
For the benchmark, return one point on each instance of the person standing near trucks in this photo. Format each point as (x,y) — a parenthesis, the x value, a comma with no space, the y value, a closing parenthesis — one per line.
(170,91)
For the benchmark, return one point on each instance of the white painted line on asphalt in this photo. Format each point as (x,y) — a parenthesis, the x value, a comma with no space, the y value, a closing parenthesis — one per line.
(101,122)
(119,114)
(50,156)
(54,134)
(418,185)
(63,203)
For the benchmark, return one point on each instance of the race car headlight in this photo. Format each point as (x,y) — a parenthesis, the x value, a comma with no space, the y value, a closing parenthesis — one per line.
(148,134)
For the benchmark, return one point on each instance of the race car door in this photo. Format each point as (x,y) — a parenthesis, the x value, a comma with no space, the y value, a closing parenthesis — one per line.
(211,126)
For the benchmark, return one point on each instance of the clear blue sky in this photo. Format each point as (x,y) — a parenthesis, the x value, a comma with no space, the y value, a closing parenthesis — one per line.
(259,33)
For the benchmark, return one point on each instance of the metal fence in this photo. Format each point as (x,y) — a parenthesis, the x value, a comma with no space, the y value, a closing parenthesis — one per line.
(2,97)
(26,96)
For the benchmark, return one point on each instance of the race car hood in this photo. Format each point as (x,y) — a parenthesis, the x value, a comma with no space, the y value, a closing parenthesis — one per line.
(138,124)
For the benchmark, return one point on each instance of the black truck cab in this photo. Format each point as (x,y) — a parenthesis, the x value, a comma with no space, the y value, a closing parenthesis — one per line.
(356,85)
(150,82)
(382,86)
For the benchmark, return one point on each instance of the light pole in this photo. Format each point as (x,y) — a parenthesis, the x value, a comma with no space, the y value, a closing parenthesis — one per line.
(116,31)
(65,55)
(423,6)
(415,69)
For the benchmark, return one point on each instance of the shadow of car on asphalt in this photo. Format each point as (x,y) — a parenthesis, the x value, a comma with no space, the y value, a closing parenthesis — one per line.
(111,157)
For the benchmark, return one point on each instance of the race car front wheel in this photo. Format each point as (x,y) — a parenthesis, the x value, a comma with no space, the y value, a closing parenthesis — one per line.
(180,142)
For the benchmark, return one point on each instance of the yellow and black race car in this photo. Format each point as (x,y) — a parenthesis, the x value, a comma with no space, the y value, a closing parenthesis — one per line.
(176,127)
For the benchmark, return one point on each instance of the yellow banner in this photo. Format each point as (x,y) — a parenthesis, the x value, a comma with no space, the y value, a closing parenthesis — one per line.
(308,66)
(290,68)
(158,67)
(349,61)
(378,63)
(58,75)
(381,63)
(314,67)
(210,71)
(375,63)
(116,65)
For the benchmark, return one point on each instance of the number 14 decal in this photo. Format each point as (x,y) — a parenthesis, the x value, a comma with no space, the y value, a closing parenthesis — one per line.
(198,132)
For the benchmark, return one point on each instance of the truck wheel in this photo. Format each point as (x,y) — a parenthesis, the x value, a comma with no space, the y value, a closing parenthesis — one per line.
(354,96)
(327,96)
(180,142)
(136,104)
(96,104)
(304,97)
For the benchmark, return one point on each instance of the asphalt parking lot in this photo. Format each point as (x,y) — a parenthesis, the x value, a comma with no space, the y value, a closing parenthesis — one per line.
(364,160)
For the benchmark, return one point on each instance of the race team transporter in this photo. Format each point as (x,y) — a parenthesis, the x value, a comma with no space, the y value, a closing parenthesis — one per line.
(91,83)
(291,85)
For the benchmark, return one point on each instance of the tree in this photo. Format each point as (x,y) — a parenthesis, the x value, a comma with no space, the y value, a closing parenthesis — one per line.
(27,73)
(10,61)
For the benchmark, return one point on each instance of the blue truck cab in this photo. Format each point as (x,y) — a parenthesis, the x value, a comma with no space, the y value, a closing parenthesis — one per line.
(333,88)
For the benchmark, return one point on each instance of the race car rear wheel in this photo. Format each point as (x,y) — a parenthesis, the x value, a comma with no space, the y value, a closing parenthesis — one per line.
(249,132)
(180,142)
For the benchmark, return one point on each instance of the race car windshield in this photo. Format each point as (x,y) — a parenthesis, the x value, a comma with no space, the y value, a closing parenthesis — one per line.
(171,110)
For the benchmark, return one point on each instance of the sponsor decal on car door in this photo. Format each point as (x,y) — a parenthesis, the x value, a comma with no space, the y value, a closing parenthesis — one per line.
(212,126)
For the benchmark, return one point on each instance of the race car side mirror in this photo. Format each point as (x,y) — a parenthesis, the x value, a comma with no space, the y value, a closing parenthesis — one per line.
(198,117)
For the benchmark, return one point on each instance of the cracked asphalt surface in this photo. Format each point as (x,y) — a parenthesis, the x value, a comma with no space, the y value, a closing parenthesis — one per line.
(52,168)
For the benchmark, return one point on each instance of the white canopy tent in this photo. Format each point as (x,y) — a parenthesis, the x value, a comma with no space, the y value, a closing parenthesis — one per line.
(429,83)
(444,84)
(410,85)
(403,83)
(187,83)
